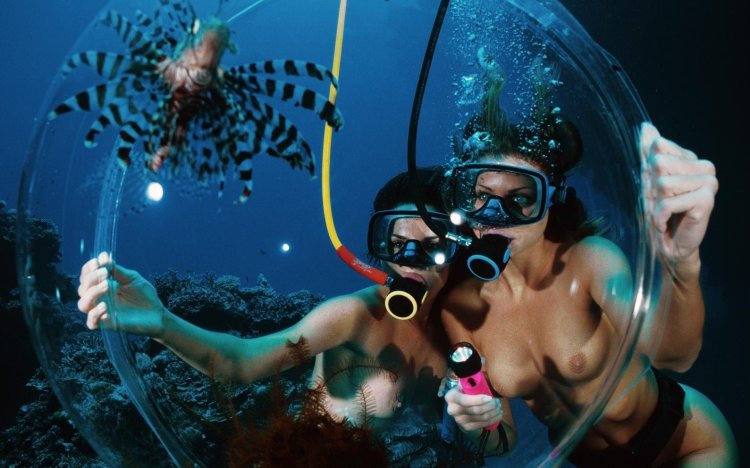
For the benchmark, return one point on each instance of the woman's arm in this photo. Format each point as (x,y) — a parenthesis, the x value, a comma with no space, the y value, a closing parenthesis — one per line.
(228,358)
(222,356)
(679,191)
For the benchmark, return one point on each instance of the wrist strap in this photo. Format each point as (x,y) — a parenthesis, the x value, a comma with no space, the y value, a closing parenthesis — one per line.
(502,442)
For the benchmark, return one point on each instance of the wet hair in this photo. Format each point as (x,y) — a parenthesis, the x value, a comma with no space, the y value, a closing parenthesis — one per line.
(399,191)
(547,140)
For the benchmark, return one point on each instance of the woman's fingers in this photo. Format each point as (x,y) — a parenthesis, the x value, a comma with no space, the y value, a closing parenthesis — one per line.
(473,411)
(89,266)
(94,283)
(104,259)
(485,416)
(91,278)
(96,315)
(93,292)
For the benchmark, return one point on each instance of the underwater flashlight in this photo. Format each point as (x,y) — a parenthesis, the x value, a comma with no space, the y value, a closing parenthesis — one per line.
(464,360)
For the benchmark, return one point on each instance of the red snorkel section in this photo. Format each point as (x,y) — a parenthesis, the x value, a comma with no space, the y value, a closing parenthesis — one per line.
(406,295)
(362,268)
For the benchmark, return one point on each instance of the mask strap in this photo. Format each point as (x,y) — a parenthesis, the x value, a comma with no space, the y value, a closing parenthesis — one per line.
(558,194)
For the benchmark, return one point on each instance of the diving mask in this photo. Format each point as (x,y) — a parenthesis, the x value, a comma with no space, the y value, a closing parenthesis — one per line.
(501,195)
(401,237)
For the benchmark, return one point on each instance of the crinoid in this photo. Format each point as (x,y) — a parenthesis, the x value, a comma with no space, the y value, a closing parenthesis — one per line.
(284,435)
(170,92)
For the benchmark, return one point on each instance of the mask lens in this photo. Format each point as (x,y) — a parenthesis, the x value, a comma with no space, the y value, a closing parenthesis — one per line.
(403,237)
(500,195)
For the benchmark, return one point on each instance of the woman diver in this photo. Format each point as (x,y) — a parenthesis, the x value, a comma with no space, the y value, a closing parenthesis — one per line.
(352,331)
(550,323)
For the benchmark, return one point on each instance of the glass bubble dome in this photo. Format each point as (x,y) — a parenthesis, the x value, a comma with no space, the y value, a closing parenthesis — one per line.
(278,241)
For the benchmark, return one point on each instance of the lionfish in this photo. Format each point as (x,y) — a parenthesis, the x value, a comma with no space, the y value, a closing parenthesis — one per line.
(171,93)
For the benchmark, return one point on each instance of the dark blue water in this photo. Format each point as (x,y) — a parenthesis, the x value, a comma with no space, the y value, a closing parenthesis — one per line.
(685,59)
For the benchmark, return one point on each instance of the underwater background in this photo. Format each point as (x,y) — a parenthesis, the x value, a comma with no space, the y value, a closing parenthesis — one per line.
(686,59)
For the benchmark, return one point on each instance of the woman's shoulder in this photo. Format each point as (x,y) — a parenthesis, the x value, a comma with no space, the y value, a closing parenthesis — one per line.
(596,247)
(599,256)
(359,304)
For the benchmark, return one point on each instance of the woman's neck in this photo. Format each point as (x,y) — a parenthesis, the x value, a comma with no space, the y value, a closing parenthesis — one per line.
(531,266)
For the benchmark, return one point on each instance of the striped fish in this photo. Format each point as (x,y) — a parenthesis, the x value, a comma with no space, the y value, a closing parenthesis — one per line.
(188,112)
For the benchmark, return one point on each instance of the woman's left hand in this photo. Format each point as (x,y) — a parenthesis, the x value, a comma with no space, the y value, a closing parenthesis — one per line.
(679,190)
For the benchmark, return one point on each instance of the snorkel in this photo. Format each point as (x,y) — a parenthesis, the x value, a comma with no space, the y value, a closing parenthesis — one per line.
(489,254)
(406,295)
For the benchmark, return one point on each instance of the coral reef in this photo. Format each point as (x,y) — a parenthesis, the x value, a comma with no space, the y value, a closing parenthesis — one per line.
(186,397)
(272,422)
(14,340)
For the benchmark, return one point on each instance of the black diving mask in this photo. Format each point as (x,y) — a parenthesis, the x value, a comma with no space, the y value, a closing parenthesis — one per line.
(402,237)
(501,195)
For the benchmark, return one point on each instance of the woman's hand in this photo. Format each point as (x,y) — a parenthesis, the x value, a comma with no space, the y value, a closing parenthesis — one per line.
(116,298)
(473,412)
(679,190)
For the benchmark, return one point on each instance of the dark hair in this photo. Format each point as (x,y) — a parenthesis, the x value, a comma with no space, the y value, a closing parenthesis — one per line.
(399,191)
(548,140)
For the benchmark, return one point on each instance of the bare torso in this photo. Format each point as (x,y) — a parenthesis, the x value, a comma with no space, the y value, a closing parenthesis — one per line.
(550,343)
(392,364)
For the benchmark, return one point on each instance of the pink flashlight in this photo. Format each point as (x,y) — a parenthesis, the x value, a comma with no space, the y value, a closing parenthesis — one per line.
(467,364)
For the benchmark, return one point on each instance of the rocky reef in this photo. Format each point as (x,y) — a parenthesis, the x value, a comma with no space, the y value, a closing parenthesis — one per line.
(219,423)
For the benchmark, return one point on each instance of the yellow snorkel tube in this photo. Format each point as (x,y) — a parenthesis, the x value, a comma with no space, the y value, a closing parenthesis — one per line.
(406,295)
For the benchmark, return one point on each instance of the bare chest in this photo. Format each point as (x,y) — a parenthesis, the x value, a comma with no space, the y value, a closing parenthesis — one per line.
(547,342)
(382,378)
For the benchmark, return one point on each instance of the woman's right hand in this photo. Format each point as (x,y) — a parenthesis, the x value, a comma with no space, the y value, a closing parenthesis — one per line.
(473,412)
(133,305)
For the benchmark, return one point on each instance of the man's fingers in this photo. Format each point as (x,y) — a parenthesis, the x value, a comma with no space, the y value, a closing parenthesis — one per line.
(101,260)
(94,271)
(123,275)
(92,277)
(104,259)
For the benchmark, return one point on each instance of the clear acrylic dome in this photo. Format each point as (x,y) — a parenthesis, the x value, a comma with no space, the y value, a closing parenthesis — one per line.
(279,232)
